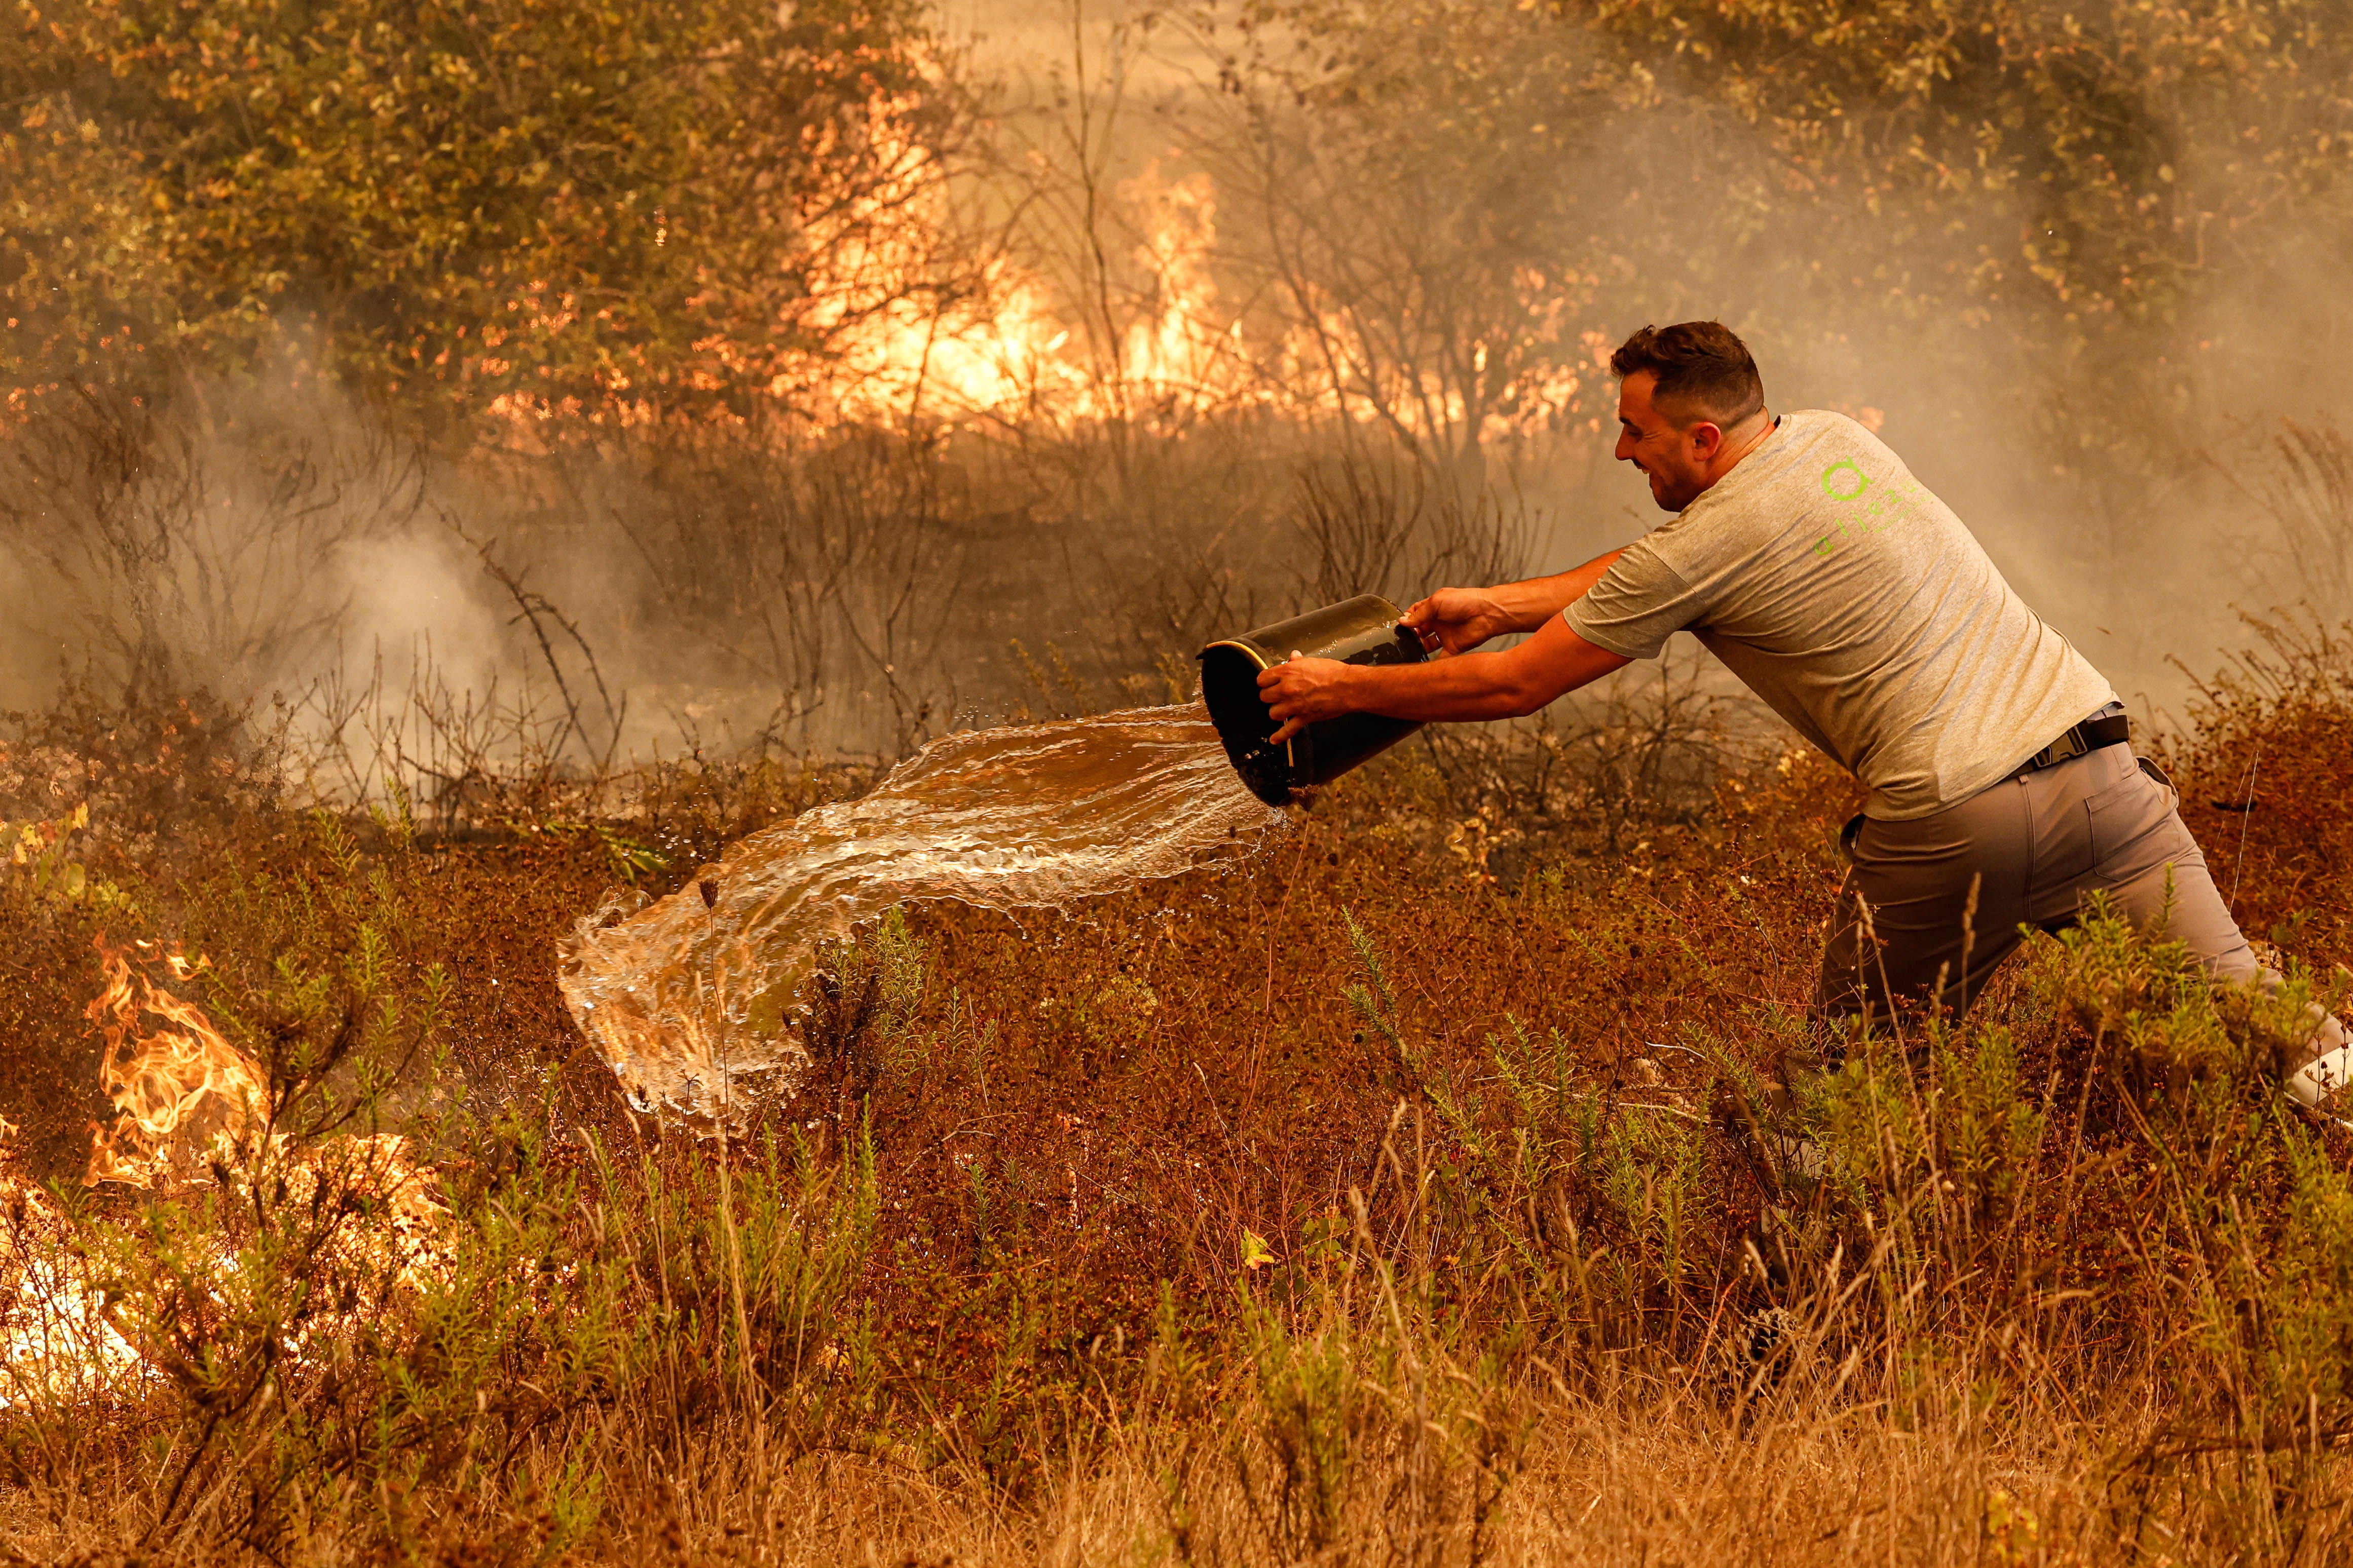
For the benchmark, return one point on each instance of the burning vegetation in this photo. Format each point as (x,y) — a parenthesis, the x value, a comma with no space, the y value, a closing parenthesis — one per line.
(466,468)
(170,1086)
(1413,1187)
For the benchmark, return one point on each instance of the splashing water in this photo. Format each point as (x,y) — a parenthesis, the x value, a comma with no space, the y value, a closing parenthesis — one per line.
(692,995)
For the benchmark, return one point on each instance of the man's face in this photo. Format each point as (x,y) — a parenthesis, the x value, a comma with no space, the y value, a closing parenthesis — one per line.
(1675,459)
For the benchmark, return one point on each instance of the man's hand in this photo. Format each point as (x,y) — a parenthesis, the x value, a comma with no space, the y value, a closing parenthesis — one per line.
(1459,619)
(1302,691)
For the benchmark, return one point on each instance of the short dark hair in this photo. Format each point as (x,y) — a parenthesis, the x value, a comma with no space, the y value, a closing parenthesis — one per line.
(1704,369)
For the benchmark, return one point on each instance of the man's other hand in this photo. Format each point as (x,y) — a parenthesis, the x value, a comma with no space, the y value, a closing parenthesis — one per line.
(1458,619)
(1300,691)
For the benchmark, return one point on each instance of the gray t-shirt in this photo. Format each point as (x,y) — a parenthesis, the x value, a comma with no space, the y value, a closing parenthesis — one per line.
(1856,605)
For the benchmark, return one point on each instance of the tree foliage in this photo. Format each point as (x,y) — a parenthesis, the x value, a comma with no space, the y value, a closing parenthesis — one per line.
(2103,157)
(1430,202)
(634,203)
(1457,183)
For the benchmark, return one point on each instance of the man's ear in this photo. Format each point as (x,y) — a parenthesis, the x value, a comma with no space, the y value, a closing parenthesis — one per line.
(1706,439)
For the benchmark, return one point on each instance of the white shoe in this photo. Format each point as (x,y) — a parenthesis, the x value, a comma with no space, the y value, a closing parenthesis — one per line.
(2321,1079)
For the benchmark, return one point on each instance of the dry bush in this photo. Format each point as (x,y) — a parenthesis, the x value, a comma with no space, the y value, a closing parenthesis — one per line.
(2308,492)
(812,573)
(1593,776)
(1376,527)
(1340,1206)
(165,547)
(2261,774)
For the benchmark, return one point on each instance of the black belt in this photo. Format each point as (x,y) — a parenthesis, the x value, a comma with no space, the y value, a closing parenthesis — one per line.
(2100,730)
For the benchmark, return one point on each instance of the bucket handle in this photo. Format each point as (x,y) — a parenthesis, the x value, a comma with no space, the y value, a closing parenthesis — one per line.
(1290,758)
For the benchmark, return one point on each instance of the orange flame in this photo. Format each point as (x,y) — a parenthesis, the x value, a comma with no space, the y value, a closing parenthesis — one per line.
(55,1340)
(63,1340)
(162,1081)
(1006,350)
(1012,354)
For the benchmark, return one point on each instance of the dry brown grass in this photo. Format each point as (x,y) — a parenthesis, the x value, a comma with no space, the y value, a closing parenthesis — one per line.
(1384,1199)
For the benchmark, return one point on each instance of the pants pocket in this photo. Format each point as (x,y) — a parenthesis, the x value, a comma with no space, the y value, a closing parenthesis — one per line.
(2134,828)
(2150,770)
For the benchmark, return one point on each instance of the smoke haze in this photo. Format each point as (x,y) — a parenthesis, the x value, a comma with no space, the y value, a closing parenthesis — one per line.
(1248,333)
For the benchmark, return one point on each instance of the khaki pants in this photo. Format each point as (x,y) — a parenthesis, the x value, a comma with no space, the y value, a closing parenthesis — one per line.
(2035,843)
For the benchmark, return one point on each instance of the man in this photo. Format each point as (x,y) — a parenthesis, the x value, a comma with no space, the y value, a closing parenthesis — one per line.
(1804,554)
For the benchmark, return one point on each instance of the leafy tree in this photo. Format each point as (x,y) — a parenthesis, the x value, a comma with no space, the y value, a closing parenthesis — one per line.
(1450,189)
(2101,159)
(1426,202)
(625,206)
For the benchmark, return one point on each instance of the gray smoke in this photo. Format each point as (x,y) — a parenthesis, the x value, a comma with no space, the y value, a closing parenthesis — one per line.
(825,590)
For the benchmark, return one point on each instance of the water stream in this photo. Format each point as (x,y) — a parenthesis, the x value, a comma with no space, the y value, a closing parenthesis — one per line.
(694,1000)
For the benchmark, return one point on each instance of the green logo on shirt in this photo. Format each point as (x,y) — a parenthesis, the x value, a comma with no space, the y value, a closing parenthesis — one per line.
(1835,487)
(1844,481)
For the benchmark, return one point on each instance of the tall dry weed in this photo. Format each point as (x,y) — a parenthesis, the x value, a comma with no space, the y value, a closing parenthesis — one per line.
(1358,1203)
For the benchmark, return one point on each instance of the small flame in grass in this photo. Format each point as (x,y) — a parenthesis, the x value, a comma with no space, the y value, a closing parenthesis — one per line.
(55,1342)
(165,1079)
(363,1208)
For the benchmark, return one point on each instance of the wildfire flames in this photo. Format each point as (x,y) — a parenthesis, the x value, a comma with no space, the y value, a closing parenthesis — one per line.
(55,1340)
(180,1088)
(181,1075)
(1160,351)
(184,1082)
(1175,351)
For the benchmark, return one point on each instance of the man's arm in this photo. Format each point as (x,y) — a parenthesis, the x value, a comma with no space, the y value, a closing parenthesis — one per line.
(1461,619)
(1507,685)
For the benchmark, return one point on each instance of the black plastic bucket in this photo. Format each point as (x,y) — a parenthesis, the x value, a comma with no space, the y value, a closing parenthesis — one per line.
(1361,630)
